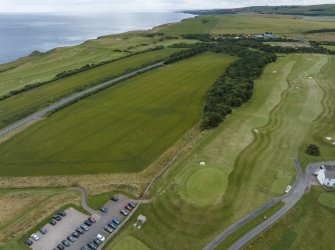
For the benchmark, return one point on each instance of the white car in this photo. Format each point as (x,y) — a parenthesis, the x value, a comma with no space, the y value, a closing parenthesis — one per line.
(100,237)
(35,237)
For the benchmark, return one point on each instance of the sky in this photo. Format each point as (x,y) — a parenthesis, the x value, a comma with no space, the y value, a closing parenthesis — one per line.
(136,5)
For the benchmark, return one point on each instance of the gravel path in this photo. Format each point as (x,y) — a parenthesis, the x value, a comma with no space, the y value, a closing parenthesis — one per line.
(67,100)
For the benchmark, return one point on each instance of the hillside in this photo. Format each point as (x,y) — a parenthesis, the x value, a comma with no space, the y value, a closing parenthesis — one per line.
(307,10)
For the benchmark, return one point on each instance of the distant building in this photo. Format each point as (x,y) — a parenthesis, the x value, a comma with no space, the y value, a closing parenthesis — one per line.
(326,176)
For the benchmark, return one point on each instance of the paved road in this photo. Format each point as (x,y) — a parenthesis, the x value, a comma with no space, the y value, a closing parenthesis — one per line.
(83,200)
(67,100)
(298,188)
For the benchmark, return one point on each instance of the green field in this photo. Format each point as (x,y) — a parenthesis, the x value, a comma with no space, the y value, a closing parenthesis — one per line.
(306,226)
(44,67)
(35,98)
(330,47)
(121,129)
(254,148)
(244,24)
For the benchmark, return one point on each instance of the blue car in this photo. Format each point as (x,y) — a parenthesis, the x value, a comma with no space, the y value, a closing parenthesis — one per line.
(116,221)
(112,225)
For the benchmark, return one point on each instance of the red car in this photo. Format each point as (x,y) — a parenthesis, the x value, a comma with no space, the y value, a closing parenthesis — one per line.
(129,208)
(92,219)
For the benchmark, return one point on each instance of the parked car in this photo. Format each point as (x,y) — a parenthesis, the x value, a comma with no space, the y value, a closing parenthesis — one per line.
(100,237)
(103,209)
(129,208)
(75,234)
(66,243)
(123,212)
(35,237)
(53,222)
(116,221)
(84,248)
(112,225)
(71,238)
(92,219)
(62,213)
(43,230)
(97,242)
(83,226)
(108,229)
(114,198)
(87,223)
(60,247)
(80,230)
(132,204)
(56,217)
(28,242)
(92,246)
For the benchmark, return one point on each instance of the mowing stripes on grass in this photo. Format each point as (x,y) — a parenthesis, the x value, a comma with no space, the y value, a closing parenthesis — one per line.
(121,129)
(128,243)
(41,96)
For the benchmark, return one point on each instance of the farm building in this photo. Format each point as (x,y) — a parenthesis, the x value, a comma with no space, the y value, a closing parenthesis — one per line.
(326,176)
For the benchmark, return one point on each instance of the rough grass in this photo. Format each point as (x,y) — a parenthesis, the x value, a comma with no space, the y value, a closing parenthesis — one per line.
(44,67)
(121,129)
(330,47)
(258,164)
(23,209)
(245,24)
(38,97)
(306,226)
(128,243)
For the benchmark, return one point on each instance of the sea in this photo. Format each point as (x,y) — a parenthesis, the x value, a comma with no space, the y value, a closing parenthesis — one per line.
(21,34)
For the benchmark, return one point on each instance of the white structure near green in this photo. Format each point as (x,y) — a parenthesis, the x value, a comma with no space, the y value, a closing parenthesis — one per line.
(326,176)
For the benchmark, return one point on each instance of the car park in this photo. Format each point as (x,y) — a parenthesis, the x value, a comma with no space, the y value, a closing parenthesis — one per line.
(60,247)
(123,212)
(71,238)
(28,242)
(53,222)
(75,234)
(108,229)
(84,248)
(62,213)
(80,230)
(103,209)
(35,237)
(116,221)
(43,230)
(66,243)
(100,237)
(83,226)
(114,198)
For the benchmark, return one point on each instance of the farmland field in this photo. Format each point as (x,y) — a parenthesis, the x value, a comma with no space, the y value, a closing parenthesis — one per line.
(244,24)
(35,98)
(253,150)
(302,226)
(121,129)
(44,67)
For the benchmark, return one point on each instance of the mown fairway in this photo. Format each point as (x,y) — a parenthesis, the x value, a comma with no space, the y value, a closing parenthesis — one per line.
(121,129)
(252,153)
(306,226)
(35,98)
(44,67)
(244,24)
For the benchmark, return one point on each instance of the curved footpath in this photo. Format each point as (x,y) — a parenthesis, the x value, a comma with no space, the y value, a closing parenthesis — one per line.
(298,189)
(68,100)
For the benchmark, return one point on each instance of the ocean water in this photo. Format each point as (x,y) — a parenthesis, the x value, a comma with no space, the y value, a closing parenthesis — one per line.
(20,34)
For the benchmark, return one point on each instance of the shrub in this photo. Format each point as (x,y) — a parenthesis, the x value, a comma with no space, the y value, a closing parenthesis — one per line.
(313,149)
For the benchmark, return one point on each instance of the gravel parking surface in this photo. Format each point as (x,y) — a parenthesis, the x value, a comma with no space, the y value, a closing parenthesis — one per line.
(60,231)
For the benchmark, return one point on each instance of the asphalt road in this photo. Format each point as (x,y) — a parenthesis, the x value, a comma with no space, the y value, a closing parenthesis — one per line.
(67,100)
(298,189)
